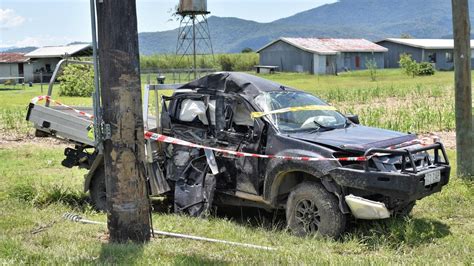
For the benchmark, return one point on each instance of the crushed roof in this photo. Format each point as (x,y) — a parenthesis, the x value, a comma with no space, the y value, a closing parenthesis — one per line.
(13,58)
(235,82)
(330,46)
(425,43)
(61,51)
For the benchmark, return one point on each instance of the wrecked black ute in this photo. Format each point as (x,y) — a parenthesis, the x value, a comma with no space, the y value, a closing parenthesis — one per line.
(323,168)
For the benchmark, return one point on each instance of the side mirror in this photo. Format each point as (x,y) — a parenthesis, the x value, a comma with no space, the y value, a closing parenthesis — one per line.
(353,118)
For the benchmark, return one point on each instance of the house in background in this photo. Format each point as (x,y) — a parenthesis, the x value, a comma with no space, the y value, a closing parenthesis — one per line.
(15,65)
(436,51)
(45,59)
(321,56)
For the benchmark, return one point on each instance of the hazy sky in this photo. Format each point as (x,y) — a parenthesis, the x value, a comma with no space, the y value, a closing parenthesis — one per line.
(54,22)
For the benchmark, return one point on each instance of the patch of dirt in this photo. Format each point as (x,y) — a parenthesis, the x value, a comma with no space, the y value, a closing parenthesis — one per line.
(11,140)
(448,138)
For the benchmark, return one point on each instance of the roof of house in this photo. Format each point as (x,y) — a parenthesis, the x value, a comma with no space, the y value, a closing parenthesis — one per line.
(61,51)
(13,58)
(330,46)
(425,43)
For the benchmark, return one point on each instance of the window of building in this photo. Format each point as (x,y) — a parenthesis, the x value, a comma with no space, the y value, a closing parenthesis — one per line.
(432,57)
(449,57)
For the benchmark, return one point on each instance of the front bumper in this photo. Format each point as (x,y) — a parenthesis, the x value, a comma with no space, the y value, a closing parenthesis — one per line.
(408,184)
(404,186)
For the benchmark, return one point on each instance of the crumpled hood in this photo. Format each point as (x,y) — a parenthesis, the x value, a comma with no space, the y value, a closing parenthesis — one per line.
(355,138)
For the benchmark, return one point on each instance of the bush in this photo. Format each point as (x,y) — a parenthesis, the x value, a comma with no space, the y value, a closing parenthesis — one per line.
(226,63)
(425,69)
(409,66)
(77,80)
(412,68)
(371,65)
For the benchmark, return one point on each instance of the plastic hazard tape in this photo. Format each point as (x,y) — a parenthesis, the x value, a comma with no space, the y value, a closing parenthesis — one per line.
(48,99)
(171,140)
(294,109)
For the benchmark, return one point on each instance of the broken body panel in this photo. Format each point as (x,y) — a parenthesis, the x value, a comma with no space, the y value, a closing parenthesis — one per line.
(241,112)
(387,179)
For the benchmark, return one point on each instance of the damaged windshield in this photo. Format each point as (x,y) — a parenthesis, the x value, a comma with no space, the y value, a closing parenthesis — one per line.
(292,111)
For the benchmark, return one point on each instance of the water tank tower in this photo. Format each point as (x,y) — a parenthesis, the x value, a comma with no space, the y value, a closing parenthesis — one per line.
(194,37)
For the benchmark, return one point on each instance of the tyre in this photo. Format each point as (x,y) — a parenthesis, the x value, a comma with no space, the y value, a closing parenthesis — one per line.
(312,210)
(97,190)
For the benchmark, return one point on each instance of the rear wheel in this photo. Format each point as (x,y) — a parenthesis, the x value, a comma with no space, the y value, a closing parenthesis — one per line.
(97,190)
(311,210)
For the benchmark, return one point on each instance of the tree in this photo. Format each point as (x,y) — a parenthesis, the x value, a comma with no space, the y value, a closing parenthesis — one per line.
(76,80)
(247,50)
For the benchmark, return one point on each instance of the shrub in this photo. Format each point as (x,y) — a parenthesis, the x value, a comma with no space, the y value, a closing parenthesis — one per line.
(409,66)
(425,69)
(226,63)
(77,80)
(371,65)
(412,68)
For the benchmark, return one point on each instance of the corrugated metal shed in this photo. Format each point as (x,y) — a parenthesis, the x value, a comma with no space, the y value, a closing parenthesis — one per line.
(61,51)
(13,58)
(324,46)
(426,43)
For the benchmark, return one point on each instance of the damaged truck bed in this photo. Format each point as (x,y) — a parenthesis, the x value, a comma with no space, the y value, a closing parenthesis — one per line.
(278,148)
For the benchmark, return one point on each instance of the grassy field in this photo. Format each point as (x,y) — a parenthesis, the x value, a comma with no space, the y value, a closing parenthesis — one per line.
(395,101)
(35,190)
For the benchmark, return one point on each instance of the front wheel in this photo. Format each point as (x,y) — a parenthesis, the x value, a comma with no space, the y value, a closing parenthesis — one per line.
(97,190)
(311,209)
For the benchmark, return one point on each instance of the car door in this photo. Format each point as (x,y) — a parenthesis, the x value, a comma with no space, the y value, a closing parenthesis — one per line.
(243,134)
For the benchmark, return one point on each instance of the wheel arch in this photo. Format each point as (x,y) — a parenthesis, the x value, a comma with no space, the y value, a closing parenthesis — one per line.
(285,177)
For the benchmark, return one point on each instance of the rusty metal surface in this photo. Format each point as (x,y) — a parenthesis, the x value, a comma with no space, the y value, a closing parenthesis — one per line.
(13,58)
(331,46)
(192,6)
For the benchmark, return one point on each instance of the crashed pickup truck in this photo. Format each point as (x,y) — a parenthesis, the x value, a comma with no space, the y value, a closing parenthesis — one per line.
(237,139)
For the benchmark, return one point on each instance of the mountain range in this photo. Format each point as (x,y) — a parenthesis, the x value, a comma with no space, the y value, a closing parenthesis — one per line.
(370,19)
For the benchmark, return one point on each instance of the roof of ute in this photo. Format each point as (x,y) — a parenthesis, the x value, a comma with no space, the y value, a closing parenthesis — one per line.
(235,82)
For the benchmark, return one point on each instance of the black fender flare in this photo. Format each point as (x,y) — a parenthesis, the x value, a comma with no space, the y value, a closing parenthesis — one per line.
(277,168)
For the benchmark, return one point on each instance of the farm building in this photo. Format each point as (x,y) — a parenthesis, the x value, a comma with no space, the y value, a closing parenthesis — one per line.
(321,56)
(45,59)
(15,65)
(436,51)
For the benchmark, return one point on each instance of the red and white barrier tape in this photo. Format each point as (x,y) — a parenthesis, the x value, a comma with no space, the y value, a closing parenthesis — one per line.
(48,98)
(171,140)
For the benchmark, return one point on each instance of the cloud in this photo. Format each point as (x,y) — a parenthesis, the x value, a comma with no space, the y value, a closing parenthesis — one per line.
(39,41)
(9,19)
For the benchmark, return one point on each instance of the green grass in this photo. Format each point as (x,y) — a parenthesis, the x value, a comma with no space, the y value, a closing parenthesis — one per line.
(36,190)
(392,102)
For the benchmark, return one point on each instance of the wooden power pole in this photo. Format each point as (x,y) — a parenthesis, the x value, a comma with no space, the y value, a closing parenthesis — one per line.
(124,149)
(463,90)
